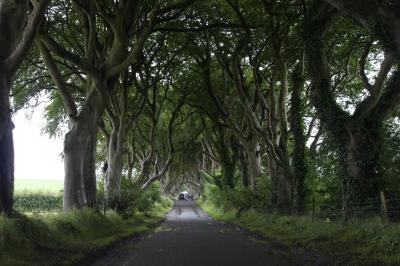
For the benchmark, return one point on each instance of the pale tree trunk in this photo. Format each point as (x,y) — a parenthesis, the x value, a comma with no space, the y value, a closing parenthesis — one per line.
(121,123)
(166,184)
(115,164)
(252,159)
(79,166)
(159,169)
(89,176)
(254,164)
(80,141)
(275,133)
(103,64)
(74,151)
(281,137)
(130,165)
(114,171)
(130,171)
(79,154)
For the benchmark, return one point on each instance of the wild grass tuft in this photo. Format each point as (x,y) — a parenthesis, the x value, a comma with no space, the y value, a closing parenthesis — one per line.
(359,242)
(65,238)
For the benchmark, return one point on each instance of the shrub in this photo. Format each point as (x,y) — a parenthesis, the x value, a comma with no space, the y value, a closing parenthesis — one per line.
(37,201)
(132,199)
(238,198)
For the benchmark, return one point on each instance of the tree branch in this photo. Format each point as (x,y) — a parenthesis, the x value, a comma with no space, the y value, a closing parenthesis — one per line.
(364,108)
(57,78)
(60,51)
(15,59)
(133,56)
(363,59)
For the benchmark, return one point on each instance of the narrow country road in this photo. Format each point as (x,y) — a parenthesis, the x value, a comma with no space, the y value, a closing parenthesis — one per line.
(189,237)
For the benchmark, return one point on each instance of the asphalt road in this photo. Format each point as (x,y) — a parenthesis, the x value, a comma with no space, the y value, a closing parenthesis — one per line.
(189,237)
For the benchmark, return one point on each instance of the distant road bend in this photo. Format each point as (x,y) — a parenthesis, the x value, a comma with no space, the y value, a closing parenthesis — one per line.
(189,237)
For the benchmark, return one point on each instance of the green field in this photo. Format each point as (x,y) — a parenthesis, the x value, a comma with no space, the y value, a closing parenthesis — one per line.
(38,185)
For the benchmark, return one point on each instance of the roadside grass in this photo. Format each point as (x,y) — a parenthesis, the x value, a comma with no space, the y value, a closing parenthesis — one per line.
(360,242)
(67,238)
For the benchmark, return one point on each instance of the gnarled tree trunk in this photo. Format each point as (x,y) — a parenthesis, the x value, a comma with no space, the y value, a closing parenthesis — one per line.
(89,176)
(17,31)
(79,154)
(115,163)
(358,134)
(281,186)
(254,163)
(228,154)
(361,160)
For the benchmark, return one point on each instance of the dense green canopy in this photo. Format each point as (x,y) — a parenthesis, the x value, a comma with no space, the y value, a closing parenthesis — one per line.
(286,102)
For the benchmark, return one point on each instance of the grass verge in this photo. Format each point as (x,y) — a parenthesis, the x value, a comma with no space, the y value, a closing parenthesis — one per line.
(67,238)
(363,242)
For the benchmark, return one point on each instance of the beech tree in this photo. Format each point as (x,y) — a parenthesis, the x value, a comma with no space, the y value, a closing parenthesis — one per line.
(123,111)
(379,17)
(359,135)
(19,21)
(287,101)
(113,35)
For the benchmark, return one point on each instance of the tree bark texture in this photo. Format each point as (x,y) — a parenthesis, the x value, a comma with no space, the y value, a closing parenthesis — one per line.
(228,158)
(79,154)
(17,31)
(102,71)
(254,161)
(361,160)
(115,164)
(297,127)
(6,148)
(281,187)
(244,169)
(357,136)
